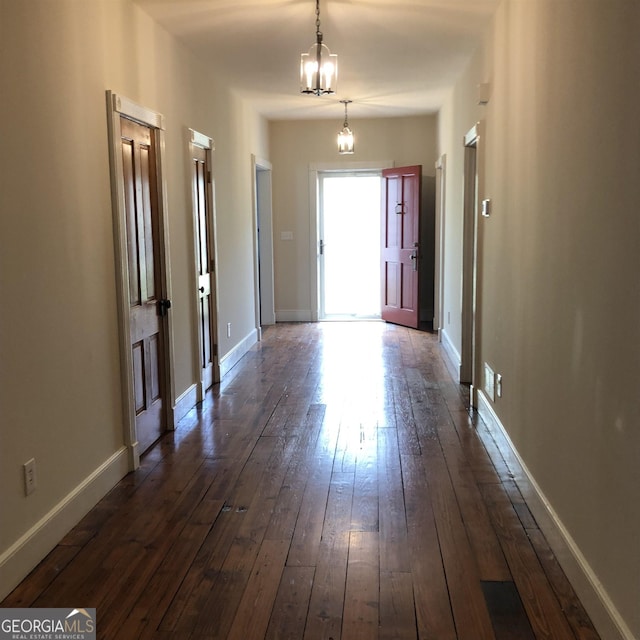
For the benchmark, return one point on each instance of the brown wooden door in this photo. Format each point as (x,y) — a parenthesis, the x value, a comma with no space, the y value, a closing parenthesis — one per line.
(147,308)
(205,264)
(400,244)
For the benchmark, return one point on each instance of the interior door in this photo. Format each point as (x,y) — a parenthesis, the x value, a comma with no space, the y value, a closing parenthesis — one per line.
(400,248)
(147,308)
(205,265)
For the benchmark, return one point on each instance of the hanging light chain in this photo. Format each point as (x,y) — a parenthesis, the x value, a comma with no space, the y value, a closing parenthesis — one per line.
(318,32)
(345,103)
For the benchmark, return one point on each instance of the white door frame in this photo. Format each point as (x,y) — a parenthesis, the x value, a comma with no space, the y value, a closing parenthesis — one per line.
(471,262)
(321,218)
(438,276)
(117,106)
(314,210)
(263,273)
(201,140)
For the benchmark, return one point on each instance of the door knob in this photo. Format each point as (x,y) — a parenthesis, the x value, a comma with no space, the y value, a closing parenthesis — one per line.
(163,306)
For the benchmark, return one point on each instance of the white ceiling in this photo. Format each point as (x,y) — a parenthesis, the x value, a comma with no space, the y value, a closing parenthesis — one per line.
(395,57)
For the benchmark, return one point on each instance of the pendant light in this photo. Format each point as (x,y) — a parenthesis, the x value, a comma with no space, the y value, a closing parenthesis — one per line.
(319,67)
(345,137)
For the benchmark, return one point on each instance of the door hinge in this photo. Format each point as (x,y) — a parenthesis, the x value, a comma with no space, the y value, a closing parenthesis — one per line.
(212,265)
(214,350)
(209,180)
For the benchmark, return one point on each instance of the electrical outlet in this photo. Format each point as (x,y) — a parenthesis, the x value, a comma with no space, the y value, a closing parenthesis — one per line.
(489,382)
(30,478)
(499,385)
(228,329)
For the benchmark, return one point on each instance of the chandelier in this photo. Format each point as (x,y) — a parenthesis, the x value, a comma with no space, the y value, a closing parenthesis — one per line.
(319,67)
(345,137)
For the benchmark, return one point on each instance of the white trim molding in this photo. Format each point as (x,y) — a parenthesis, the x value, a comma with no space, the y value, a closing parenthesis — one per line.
(315,168)
(201,140)
(185,402)
(204,142)
(450,349)
(603,613)
(232,357)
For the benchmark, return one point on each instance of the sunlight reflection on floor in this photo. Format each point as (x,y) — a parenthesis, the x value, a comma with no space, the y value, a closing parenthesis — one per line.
(354,381)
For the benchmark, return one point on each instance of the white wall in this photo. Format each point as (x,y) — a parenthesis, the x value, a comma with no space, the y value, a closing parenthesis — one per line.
(560,310)
(295,147)
(59,366)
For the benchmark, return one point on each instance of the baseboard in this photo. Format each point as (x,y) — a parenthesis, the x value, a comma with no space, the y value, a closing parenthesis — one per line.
(187,400)
(230,359)
(450,350)
(22,556)
(294,315)
(603,613)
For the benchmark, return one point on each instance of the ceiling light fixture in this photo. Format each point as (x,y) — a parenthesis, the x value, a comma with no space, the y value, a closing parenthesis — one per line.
(345,137)
(319,67)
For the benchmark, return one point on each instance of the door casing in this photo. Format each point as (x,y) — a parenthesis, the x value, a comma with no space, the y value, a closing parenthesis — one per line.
(314,211)
(264,286)
(322,213)
(204,142)
(470,369)
(118,106)
(438,297)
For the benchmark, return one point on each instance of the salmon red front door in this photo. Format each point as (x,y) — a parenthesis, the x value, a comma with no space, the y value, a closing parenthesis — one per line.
(400,245)
(147,308)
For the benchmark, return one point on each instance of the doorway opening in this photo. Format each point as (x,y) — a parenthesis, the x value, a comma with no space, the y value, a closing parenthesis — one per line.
(263,245)
(349,245)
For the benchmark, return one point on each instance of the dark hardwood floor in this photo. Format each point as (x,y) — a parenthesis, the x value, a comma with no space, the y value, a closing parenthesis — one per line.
(333,486)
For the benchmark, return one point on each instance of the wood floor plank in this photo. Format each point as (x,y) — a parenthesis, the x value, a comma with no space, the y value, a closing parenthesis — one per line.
(362,591)
(434,618)
(394,547)
(307,534)
(26,593)
(365,510)
(289,615)
(461,568)
(228,555)
(326,605)
(164,552)
(484,542)
(397,607)
(144,618)
(254,610)
(405,420)
(572,608)
(540,602)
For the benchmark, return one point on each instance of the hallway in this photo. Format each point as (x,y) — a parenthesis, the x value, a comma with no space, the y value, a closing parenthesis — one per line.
(333,486)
